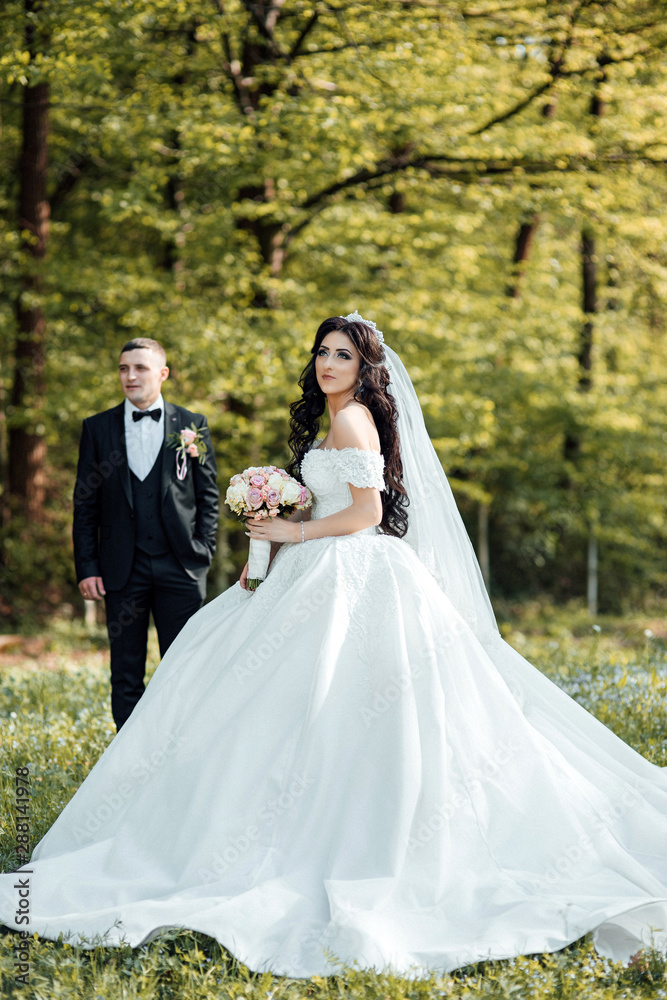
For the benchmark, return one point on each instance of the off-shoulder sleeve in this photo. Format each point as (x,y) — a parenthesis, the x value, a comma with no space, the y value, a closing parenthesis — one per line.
(361,468)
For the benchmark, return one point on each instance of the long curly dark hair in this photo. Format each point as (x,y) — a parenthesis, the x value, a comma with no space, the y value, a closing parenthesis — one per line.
(372,391)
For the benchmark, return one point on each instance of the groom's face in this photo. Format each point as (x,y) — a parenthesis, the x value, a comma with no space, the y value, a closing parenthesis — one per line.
(141,376)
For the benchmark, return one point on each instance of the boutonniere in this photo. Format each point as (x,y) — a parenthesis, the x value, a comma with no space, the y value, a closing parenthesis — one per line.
(188,441)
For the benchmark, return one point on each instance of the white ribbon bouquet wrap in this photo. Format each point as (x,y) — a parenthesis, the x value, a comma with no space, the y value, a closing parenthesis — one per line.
(264,491)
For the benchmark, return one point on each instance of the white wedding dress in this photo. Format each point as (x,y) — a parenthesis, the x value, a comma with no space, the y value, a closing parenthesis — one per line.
(336,769)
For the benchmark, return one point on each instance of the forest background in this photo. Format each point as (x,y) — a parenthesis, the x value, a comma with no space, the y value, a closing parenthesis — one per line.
(483,178)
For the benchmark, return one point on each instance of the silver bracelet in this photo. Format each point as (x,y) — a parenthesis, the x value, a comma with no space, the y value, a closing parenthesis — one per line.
(303,533)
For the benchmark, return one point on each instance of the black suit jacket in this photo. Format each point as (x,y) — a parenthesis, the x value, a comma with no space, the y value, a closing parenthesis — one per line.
(104,528)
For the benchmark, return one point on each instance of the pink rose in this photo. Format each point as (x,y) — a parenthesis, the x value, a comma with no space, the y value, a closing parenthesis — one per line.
(254,498)
(188,436)
(272,498)
(257,481)
(236,479)
(304,495)
(193,450)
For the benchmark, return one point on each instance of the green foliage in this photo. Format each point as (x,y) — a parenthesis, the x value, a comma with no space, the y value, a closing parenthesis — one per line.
(190,966)
(223,186)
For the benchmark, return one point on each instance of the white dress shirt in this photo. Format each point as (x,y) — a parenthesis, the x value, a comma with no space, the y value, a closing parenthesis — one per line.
(143,438)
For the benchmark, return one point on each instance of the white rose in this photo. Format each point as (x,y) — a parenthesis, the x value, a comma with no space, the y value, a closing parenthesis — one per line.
(275,481)
(235,495)
(291,492)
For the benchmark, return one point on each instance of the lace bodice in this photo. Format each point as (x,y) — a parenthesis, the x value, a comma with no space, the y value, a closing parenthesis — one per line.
(328,471)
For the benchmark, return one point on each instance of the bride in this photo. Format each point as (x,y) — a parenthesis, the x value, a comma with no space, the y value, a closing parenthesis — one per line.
(349,764)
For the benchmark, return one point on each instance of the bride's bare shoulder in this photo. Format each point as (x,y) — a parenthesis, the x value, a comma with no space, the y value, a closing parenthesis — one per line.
(354,427)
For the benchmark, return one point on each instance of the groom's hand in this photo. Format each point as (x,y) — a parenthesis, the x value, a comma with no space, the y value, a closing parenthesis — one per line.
(92,588)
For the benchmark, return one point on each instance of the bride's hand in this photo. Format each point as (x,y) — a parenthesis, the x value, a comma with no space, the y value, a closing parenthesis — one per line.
(274,529)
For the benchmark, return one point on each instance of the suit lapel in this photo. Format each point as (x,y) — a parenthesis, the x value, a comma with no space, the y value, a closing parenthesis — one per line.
(172,422)
(119,444)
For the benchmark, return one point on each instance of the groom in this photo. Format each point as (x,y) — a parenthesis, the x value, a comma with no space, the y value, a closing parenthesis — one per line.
(145,518)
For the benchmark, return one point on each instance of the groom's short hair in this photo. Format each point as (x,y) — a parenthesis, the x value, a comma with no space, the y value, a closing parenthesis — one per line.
(145,343)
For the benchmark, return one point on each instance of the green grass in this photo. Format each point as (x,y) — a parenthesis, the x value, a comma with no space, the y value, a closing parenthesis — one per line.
(55,717)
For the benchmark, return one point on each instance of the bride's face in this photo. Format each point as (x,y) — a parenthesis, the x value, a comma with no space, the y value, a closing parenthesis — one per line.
(337,364)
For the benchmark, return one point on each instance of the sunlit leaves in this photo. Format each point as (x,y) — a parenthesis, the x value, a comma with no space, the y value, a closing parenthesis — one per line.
(224,194)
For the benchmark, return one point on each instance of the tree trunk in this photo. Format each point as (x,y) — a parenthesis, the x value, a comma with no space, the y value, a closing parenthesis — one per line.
(526,231)
(270,240)
(173,196)
(522,243)
(572,445)
(172,258)
(589,303)
(592,574)
(27,445)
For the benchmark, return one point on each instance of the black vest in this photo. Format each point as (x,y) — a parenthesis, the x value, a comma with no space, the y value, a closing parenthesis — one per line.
(150,534)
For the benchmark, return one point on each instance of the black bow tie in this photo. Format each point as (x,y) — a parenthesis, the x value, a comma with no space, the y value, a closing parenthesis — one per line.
(138,414)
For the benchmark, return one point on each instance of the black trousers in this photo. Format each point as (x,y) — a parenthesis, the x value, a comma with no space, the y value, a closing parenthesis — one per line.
(158,584)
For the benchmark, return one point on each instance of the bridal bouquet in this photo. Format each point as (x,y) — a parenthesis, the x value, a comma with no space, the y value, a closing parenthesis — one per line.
(264,492)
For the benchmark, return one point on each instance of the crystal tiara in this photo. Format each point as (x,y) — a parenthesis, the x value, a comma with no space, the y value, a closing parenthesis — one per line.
(356,317)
